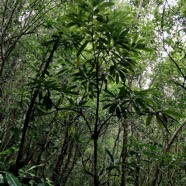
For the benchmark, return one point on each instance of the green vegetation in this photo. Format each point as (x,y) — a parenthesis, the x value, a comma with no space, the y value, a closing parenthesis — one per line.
(92,93)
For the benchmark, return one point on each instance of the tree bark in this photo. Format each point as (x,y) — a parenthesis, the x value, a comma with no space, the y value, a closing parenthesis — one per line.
(124,145)
(124,153)
(31,106)
(96,133)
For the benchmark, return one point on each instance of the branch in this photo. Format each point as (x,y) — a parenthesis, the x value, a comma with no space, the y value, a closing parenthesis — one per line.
(171,141)
(87,123)
(181,85)
(84,163)
(170,57)
(31,106)
(139,9)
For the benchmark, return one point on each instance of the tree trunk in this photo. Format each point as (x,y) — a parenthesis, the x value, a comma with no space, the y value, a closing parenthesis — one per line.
(124,145)
(60,160)
(124,153)
(96,178)
(31,107)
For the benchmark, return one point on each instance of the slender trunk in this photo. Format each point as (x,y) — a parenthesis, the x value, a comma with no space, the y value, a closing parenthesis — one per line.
(96,132)
(60,160)
(96,178)
(42,150)
(156,176)
(114,150)
(124,153)
(25,127)
(138,155)
(31,107)
(137,183)
(69,164)
(124,145)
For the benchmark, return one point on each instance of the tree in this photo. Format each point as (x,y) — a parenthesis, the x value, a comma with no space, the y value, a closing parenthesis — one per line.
(78,102)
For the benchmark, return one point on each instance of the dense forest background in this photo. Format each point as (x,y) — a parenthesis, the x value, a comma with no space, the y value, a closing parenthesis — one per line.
(92,92)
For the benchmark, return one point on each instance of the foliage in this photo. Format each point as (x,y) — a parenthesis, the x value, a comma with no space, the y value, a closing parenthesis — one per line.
(92,93)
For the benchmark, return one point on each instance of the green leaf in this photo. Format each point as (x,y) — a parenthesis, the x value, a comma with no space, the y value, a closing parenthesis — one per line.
(71,92)
(110,93)
(103,40)
(147,49)
(161,122)
(143,92)
(96,2)
(82,48)
(71,101)
(143,47)
(47,102)
(34,167)
(112,108)
(149,119)
(172,113)
(123,33)
(110,155)
(135,38)
(136,108)
(153,147)
(9,150)
(123,92)
(80,1)
(100,18)
(118,112)
(151,103)
(122,76)
(12,180)
(72,24)
(62,71)
(112,69)
(117,78)
(105,5)
(110,78)
(106,106)
(140,103)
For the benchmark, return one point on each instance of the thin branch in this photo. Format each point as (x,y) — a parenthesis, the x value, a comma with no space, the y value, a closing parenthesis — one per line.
(87,123)
(104,123)
(139,9)
(170,57)
(31,106)
(171,141)
(83,163)
(181,85)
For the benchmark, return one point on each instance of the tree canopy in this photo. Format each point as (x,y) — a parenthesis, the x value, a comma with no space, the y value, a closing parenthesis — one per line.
(92,92)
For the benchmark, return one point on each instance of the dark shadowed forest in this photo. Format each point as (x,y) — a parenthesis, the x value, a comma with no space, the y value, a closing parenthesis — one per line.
(92,92)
